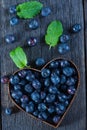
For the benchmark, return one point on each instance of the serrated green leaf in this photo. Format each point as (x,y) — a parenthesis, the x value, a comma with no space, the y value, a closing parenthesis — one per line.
(28,10)
(19,57)
(54,31)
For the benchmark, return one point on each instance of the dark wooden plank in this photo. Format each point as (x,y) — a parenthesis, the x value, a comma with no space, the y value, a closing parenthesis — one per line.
(69,12)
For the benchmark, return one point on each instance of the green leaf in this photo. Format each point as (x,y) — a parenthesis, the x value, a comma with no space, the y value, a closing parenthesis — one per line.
(19,57)
(29,9)
(54,31)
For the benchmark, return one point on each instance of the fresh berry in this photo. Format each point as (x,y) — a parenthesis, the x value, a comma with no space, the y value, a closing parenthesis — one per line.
(12,9)
(51,109)
(8,111)
(35,113)
(41,107)
(56,119)
(35,96)
(64,63)
(28,88)
(22,82)
(4,79)
(64,38)
(50,98)
(54,64)
(63,48)
(40,62)
(43,95)
(55,79)
(71,90)
(22,73)
(53,89)
(76,28)
(23,105)
(9,38)
(68,71)
(71,81)
(24,99)
(17,87)
(14,79)
(43,115)
(47,82)
(30,107)
(62,79)
(33,24)
(30,76)
(36,84)
(45,73)
(32,41)
(14,21)
(17,94)
(45,11)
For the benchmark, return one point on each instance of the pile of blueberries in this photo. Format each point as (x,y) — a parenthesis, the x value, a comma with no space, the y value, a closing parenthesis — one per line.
(45,94)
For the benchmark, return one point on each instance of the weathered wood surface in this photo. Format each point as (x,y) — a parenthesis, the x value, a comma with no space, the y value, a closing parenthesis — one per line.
(69,12)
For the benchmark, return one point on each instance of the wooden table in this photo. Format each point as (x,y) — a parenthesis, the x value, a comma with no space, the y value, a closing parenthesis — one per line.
(69,12)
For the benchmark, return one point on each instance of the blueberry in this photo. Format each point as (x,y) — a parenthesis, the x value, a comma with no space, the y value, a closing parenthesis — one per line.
(62,97)
(22,82)
(33,24)
(40,62)
(45,73)
(63,48)
(36,84)
(68,71)
(50,98)
(12,9)
(62,79)
(55,79)
(43,115)
(45,11)
(22,73)
(41,107)
(43,95)
(64,38)
(51,109)
(23,105)
(53,89)
(30,107)
(9,38)
(71,81)
(61,107)
(54,64)
(56,71)
(71,90)
(58,111)
(64,63)
(32,41)
(17,87)
(4,79)
(28,88)
(66,103)
(8,111)
(76,28)
(24,99)
(30,76)
(56,119)
(14,79)
(47,82)
(14,21)
(17,94)
(35,113)
(35,96)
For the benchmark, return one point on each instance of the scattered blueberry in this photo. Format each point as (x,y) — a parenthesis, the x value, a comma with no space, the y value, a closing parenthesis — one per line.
(45,11)
(40,62)
(64,38)
(4,79)
(32,41)
(14,21)
(8,111)
(63,48)
(33,24)
(76,28)
(12,9)
(10,38)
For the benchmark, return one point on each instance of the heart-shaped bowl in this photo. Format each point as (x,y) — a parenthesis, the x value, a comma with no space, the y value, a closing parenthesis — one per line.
(46,94)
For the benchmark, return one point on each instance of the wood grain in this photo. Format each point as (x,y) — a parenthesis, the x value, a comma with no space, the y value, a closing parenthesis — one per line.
(69,12)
